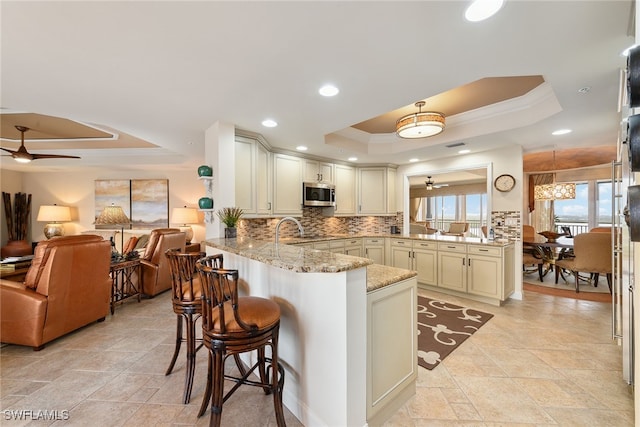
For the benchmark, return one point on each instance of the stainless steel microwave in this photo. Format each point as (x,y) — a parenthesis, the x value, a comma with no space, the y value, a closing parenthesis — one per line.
(318,194)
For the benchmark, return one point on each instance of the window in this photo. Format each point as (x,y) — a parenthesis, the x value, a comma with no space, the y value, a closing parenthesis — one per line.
(603,207)
(443,210)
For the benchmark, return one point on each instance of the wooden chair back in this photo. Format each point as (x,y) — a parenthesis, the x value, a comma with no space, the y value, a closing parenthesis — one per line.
(185,283)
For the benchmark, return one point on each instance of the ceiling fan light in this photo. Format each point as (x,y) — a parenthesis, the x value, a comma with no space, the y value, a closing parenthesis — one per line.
(429,184)
(21,159)
(420,125)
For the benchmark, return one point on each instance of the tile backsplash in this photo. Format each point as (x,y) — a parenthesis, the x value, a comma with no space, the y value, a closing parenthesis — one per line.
(315,223)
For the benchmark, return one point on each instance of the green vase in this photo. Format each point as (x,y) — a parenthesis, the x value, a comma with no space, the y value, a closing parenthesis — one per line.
(205,203)
(205,170)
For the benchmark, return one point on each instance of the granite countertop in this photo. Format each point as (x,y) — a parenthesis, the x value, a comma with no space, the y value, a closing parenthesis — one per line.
(289,257)
(430,237)
(379,276)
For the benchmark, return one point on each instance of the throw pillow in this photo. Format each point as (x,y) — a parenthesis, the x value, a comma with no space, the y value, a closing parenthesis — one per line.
(130,245)
(142,241)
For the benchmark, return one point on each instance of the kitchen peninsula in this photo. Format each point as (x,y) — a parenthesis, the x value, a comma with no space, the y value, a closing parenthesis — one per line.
(348,335)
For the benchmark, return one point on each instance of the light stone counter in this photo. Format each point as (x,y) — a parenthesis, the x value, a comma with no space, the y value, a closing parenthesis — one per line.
(287,257)
(432,237)
(379,276)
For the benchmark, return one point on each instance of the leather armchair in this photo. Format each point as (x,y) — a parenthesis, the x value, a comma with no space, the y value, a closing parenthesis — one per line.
(67,287)
(156,273)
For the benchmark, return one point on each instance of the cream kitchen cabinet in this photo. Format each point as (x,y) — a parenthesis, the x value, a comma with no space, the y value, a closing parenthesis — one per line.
(353,247)
(287,185)
(253,177)
(318,171)
(374,249)
(490,271)
(376,191)
(416,255)
(345,182)
(452,266)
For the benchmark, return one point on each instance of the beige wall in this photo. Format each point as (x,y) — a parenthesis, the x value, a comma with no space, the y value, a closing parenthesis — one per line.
(76,189)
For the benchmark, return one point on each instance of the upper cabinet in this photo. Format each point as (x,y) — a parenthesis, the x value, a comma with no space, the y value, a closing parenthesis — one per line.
(376,191)
(287,185)
(253,177)
(345,182)
(318,171)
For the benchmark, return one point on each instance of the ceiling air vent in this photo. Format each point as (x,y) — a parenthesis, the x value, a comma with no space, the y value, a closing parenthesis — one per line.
(455,144)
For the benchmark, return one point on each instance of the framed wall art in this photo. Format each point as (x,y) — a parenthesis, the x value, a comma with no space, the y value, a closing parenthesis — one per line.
(109,192)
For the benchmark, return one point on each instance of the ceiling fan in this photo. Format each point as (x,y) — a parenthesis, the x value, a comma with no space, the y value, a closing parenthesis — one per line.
(23,156)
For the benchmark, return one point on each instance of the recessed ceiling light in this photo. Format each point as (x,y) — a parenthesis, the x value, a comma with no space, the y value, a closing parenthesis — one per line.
(301,148)
(328,90)
(561,132)
(413,160)
(585,89)
(480,10)
(269,123)
(352,159)
(464,151)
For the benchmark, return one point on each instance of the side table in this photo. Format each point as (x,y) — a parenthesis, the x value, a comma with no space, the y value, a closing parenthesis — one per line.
(125,277)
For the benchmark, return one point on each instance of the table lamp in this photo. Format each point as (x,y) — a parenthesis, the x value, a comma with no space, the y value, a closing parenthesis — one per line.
(185,216)
(54,216)
(114,215)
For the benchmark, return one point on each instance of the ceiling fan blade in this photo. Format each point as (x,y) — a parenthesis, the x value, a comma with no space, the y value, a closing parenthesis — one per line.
(52,156)
(7,150)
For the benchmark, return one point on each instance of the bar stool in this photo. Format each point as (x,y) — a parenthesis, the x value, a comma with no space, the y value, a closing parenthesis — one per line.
(232,325)
(186,296)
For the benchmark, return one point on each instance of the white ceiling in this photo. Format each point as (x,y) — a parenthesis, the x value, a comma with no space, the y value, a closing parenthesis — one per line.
(165,71)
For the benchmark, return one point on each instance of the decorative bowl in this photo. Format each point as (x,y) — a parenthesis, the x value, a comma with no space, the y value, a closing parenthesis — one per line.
(551,236)
(205,170)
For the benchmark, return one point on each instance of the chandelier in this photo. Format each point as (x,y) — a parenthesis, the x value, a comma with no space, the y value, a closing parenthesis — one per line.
(555,191)
(429,183)
(420,125)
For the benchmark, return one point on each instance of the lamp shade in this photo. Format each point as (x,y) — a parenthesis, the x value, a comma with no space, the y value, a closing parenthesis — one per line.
(561,191)
(184,215)
(54,213)
(112,215)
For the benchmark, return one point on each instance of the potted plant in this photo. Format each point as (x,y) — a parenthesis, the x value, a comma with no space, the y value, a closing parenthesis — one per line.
(230,217)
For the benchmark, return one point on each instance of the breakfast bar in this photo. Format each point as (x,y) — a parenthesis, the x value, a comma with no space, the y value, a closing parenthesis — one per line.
(348,331)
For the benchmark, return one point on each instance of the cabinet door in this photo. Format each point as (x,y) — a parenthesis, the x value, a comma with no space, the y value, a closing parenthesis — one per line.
(376,253)
(245,178)
(452,271)
(318,171)
(353,250)
(345,182)
(263,180)
(485,276)
(401,257)
(372,191)
(287,185)
(425,262)
(326,172)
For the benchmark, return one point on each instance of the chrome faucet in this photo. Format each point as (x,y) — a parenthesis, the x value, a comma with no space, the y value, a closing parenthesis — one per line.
(288,218)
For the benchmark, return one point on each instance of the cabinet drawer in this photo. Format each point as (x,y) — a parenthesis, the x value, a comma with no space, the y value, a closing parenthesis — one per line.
(484,250)
(323,246)
(424,245)
(452,247)
(374,242)
(352,242)
(401,242)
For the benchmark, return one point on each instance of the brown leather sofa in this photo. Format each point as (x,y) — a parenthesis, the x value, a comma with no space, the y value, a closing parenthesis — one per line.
(156,275)
(66,287)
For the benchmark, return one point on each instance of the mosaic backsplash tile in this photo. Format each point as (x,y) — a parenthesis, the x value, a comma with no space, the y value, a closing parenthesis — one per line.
(506,225)
(316,224)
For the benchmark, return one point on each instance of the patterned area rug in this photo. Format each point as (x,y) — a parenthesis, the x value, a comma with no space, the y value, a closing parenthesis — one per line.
(442,327)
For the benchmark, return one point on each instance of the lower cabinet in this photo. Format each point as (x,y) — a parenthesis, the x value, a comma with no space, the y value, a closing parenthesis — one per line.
(491,271)
(452,269)
(374,249)
(391,348)
(353,247)
(416,255)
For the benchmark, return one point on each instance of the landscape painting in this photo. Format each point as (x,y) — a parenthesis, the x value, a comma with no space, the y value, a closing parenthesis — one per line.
(116,192)
(149,203)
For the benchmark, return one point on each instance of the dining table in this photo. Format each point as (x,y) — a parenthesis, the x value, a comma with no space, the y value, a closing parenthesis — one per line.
(550,250)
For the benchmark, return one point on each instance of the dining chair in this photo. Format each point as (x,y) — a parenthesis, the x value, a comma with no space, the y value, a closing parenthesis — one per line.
(232,325)
(456,229)
(185,298)
(592,254)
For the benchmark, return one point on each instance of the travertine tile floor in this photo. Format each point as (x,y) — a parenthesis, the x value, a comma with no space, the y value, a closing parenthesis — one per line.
(544,361)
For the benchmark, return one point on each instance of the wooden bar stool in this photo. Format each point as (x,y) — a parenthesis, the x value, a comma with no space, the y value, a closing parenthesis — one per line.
(186,296)
(232,325)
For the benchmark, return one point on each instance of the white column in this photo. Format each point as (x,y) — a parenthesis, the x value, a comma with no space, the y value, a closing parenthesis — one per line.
(219,153)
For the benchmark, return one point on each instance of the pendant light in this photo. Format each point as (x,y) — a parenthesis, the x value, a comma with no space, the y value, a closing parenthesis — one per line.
(420,125)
